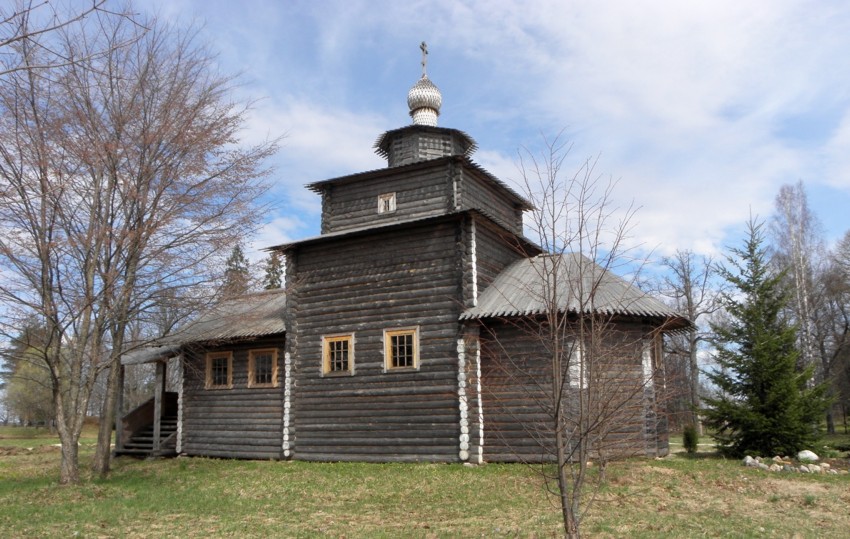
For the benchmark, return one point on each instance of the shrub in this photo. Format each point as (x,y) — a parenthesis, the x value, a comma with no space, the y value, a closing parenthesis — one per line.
(690,439)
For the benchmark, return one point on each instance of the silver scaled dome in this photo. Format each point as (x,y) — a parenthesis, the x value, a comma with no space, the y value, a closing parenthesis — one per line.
(424,101)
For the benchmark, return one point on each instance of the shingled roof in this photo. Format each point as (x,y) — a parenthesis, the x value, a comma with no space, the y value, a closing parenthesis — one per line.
(520,290)
(246,316)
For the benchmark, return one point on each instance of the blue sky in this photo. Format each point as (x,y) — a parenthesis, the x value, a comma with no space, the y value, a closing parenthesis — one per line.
(702,110)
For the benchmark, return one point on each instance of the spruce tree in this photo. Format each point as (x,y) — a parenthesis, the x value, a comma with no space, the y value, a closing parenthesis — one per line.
(237,274)
(274,272)
(765,406)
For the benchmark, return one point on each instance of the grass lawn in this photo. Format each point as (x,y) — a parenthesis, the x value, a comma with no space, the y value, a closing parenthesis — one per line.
(195,497)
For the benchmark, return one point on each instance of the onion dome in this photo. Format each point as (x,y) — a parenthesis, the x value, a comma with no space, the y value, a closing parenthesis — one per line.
(424,100)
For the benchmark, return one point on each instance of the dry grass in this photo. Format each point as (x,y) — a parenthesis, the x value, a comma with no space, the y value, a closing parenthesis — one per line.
(673,497)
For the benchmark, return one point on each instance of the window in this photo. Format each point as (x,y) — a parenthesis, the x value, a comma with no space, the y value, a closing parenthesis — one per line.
(646,363)
(386,203)
(577,372)
(338,355)
(262,368)
(401,349)
(219,370)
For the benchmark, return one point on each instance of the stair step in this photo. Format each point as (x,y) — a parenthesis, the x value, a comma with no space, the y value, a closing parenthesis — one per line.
(141,443)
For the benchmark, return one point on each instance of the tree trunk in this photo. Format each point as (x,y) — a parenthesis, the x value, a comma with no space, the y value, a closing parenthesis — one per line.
(103,452)
(694,382)
(69,470)
(69,437)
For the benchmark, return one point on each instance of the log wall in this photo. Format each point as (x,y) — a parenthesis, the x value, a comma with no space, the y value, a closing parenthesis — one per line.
(518,404)
(363,285)
(496,249)
(421,191)
(240,422)
(478,192)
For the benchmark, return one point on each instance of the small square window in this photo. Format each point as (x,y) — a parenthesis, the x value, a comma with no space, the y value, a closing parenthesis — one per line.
(401,349)
(386,203)
(338,354)
(262,368)
(219,370)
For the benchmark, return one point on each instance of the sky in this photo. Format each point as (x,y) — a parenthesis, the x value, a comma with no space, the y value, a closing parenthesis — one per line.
(699,110)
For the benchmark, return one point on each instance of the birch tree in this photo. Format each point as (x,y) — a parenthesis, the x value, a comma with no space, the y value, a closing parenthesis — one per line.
(797,243)
(121,180)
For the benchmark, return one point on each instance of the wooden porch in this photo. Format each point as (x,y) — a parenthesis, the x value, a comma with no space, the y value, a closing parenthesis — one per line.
(150,430)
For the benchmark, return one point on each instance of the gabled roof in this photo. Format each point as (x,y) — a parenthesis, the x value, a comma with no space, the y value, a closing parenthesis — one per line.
(247,316)
(579,285)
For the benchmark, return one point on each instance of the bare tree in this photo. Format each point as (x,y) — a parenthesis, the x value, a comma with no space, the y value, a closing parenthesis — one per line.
(570,370)
(690,286)
(833,327)
(40,24)
(121,181)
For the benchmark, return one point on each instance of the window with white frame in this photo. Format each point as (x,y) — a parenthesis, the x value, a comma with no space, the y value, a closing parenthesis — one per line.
(577,370)
(646,363)
(386,203)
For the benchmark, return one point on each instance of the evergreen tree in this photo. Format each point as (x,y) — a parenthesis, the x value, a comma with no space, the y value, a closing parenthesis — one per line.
(765,405)
(237,274)
(274,272)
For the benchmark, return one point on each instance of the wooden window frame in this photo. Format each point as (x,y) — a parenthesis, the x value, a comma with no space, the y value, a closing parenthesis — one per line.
(326,354)
(387,199)
(211,356)
(252,366)
(388,349)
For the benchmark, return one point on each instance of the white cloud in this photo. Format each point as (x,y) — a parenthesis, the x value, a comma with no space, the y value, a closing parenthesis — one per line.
(702,109)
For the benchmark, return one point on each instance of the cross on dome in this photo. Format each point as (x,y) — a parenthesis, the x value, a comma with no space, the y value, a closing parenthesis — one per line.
(424,98)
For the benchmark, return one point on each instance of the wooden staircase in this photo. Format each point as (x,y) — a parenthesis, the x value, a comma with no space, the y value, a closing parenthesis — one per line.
(138,426)
(141,442)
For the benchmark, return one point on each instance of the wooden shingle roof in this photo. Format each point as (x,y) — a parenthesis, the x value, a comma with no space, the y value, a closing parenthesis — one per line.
(247,316)
(575,283)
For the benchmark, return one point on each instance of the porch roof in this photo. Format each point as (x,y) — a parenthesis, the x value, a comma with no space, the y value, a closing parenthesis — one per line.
(246,316)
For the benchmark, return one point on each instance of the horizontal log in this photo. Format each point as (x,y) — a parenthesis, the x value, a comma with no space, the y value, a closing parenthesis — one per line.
(356,422)
(313,439)
(412,416)
(217,452)
(247,437)
(394,450)
(232,408)
(363,403)
(379,434)
(390,391)
(376,376)
(369,458)
(234,420)
(398,314)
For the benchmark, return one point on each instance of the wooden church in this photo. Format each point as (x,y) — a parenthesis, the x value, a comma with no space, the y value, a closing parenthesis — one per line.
(403,330)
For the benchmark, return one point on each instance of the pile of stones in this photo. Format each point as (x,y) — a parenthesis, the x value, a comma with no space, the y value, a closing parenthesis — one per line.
(806,463)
